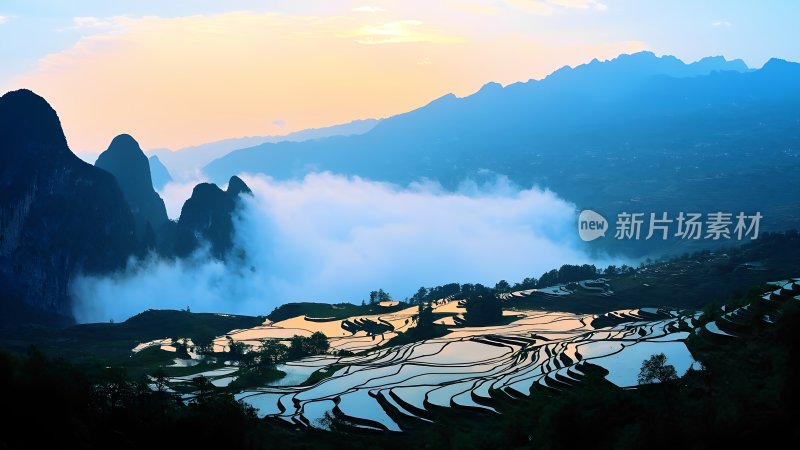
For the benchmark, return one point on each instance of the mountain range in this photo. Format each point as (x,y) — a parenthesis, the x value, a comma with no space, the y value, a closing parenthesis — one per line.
(188,161)
(58,215)
(61,217)
(636,133)
(159,173)
(639,133)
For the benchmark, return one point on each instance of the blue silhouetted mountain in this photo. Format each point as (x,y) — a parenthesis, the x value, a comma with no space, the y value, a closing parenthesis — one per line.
(638,132)
(58,215)
(125,160)
(207,217)
(185,162)
(159,173)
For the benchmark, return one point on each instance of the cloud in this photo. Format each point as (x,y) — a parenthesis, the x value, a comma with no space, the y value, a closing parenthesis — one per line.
(93,22)
(369,9)
(580,4)
(330,238)
(547,7)
(3,19)
(400,31)
(175,194)
(279,123)
(722,24)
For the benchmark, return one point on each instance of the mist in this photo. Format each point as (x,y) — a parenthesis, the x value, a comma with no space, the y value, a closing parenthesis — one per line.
(330,238)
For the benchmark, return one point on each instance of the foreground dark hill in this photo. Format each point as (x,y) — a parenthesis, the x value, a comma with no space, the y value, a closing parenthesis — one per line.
(638,133)
(58,215)
(125,160)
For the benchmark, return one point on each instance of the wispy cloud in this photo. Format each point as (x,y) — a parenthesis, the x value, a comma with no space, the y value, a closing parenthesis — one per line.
(401,31)
(369,9)
(546,7)
(3,19)
(580,4)
(722,24)
(93,22)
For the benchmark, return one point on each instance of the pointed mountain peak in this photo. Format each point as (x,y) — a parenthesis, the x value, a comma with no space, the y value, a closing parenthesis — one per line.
(158,173)
(125,160)
(236,186)
(30,126)
(202,190)
(490,87)
(124,156)
(124,143)
(445,99)
(777,63)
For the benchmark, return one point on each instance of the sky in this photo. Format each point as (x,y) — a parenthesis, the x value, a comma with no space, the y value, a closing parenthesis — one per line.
(186,72)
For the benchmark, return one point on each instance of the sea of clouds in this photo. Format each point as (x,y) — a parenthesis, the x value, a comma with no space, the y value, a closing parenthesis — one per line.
(332,238)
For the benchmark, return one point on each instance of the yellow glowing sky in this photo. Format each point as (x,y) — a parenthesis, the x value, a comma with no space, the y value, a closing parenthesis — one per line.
(179,80)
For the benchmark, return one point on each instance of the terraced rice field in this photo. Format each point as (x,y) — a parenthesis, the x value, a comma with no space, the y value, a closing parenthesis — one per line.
(739,321)
(387,388)
(354,333)
(465,369)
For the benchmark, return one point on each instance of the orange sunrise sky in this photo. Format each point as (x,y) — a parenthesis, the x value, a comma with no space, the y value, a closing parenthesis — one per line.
(194,72)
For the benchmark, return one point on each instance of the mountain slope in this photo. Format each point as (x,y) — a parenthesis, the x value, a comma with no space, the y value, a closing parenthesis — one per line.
(125,160)
(158,173)
(187,161)
(58,215)
(207,216)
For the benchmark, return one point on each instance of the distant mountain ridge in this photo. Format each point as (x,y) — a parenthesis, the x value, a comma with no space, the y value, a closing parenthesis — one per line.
(638,132)
(189,160)
(159,173)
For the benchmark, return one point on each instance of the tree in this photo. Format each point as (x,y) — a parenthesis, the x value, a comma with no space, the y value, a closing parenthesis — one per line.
(301,346)
(202,388)
(237,350)
(272,352)
(419,297)
(297,347)
(203,339)
(373,297)
(318,343)
(656,370)
(502,286)
(424,316)
(483,306)
(161,380)
(548,279)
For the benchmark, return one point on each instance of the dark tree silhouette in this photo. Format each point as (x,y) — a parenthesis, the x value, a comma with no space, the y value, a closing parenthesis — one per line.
(656,370)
